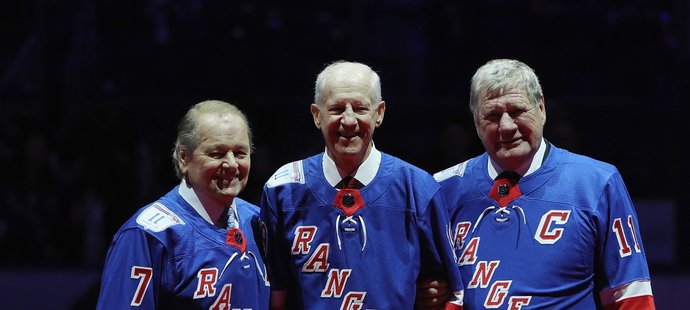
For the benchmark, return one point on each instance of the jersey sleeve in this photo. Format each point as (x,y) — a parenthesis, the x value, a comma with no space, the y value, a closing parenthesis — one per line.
(275,256)
(621,275)
(131,275)
(439,259)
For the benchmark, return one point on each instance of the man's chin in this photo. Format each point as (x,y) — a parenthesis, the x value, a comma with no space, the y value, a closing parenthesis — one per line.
(230,192)
(348,151)
(512,156)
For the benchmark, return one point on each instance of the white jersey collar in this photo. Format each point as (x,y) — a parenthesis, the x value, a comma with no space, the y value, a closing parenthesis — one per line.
(191,198)
(365,173)
(494,169)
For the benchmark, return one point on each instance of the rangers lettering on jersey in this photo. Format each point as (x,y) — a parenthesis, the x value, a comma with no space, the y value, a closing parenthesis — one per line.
(336,283)
(171,255)
(207,279)
(353,301)
(483,273)
(461,231)
(304,235)
(570,240)
(318,261)
(206,285)
(516,302)
(469,255)
(223,300)
(497,294)
(334,287)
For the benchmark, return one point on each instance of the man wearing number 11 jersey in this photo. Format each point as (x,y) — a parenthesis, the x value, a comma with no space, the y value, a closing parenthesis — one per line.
(536,226)
(194,248)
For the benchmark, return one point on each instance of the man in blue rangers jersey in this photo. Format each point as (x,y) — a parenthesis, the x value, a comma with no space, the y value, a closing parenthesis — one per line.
(194,248)
(358,243)
(561,232)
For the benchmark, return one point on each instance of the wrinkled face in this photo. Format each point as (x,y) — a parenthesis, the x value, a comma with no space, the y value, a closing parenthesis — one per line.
(510,128)
(347,121)
(218,168)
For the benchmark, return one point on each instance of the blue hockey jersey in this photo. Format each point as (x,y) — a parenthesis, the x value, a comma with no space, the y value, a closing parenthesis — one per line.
(365,252)
(168,257)
(567,239)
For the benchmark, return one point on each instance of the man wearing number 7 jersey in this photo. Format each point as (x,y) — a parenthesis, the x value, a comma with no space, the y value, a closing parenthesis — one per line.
(536,226)
(194,248)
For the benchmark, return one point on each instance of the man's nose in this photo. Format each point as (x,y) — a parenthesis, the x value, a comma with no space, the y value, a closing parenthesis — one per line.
(506,122)
(349,117)
(229,161)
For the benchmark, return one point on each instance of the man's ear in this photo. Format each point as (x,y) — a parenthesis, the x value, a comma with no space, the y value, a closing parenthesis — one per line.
(542,108)
(182,159)
(315,114)
(380,111)
(476,125)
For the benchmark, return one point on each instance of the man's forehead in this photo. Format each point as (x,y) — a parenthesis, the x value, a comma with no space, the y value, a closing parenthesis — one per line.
(345,98)
(349,84)
(506,96)
(503,90)
(349,92)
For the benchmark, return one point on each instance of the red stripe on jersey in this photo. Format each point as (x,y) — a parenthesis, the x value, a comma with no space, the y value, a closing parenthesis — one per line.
(635,303)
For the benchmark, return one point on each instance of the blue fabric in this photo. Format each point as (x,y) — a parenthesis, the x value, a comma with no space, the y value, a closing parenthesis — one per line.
(185,254)
(399,234)
(556,245)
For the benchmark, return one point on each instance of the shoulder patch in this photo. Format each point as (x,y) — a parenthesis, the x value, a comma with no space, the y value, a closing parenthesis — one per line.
(288,173)
(458,170)
(157,217)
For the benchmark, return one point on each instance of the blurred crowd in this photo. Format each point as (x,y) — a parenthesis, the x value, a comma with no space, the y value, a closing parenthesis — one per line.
(90,92)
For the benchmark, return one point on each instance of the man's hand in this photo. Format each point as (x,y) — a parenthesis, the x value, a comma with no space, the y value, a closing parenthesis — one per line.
(278,300)
(432,294)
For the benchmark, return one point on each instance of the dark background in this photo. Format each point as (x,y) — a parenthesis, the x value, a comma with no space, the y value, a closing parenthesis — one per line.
(91,92)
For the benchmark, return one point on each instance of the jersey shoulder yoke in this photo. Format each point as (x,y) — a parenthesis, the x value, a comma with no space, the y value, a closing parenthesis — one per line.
(458,170)
(288,173)
(157,217)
